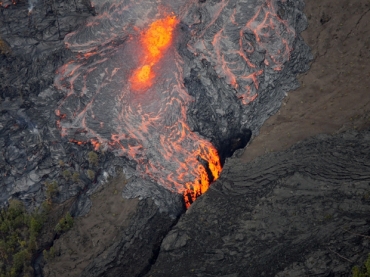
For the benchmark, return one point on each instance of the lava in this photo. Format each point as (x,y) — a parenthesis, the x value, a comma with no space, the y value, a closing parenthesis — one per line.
(155,41)
(124,90)
(158,37)
(264,36)
(142,78)
(149,128)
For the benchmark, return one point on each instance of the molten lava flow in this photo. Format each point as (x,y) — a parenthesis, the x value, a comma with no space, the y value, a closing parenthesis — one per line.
(142,78)
(155,41)
(158,37)
(101,103)
(197,188)
(263,37)
(150,129)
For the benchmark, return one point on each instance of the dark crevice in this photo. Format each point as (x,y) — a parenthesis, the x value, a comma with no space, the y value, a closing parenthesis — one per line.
(156,249)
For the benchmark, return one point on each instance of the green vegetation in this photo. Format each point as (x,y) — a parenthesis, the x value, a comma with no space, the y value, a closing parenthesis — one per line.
(91,174)
(49,255)
(51,190)
(363,271)
(18,239)
(67,174)
(4,47)
(20,232)
(75,177)
(93,158)
(64,224)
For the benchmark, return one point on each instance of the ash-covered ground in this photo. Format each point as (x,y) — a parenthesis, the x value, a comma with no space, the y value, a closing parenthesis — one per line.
(66,67)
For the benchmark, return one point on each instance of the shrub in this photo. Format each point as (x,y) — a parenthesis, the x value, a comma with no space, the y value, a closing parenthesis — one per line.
(51,189)
(4,47)
(18,236)
(91,174)
(64,224)
(46,207)
(75,177)
(36,223)
(67,174)
(363,271)
(93,158)
(49,255)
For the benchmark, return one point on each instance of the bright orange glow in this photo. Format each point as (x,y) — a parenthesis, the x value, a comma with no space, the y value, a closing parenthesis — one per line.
(143,73)
(154,41)
(159,36)
(155,133)
(96,144)
(142,77)
(193,162)
(197,188)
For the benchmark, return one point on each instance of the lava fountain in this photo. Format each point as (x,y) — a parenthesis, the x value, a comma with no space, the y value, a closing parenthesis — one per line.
(125,90)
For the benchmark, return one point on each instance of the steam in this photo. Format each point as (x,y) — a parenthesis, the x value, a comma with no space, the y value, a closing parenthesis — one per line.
(31,5)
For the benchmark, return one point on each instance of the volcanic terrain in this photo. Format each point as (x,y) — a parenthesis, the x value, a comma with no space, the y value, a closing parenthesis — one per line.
(132,107)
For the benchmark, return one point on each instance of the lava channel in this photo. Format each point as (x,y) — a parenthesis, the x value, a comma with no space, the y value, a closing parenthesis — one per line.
(125,91)
(155,42)
(148,127)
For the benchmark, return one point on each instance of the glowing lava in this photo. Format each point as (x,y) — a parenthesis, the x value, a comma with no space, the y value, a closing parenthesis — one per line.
(142,78)
(197,188)
(155,41)
(148,128)
(125,91)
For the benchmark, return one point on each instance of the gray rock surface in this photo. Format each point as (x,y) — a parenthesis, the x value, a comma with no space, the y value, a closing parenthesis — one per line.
(241,59)
(227,70)
(32,150)
(132,253)
(167,201)
(65,72)
(302,212)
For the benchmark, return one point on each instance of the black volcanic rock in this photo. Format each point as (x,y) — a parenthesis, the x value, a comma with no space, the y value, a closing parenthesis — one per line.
(66,71)
(301,212)
(32,148)
(228,68)
(65,82)
(241,58)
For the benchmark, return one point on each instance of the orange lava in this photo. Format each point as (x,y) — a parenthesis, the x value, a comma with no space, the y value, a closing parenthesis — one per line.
(154,41)
(197,188)
(201,161)
(142,78)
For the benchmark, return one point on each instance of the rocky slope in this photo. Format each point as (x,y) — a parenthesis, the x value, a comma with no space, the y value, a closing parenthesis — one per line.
(117,236)
(301,212)
(334,93)
(296,213)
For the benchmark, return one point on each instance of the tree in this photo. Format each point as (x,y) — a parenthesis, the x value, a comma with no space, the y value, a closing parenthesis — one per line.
(67,174)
